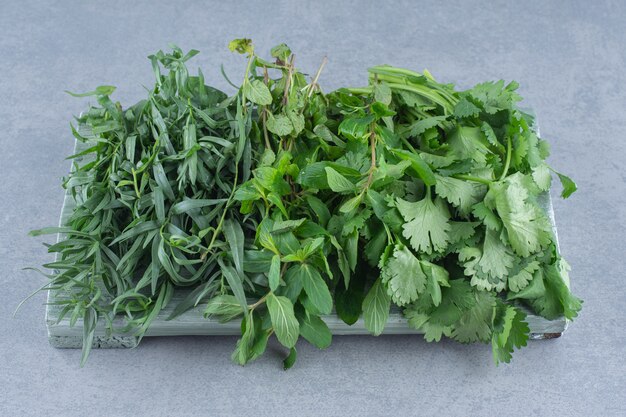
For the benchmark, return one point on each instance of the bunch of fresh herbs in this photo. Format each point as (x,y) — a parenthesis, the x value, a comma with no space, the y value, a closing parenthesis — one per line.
(279,204)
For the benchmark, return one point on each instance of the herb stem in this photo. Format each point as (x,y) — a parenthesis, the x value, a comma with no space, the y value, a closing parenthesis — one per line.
(288,81)
(471,178)
(408,144)
(508,158)
(218,229)
(317,76)
(258,303)
(370,177)
(246,80)
(359,90)
(135,183)
(264,113)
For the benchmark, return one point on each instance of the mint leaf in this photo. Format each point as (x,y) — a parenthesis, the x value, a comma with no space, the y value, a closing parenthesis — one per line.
(286,327)
(337,182)
(315,331)
(315,287)
(257,92)
(376,308)
(274,273)
(512,332)
(279,124)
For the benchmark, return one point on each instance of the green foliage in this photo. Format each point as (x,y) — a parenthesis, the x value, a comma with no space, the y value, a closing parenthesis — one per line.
(279,202)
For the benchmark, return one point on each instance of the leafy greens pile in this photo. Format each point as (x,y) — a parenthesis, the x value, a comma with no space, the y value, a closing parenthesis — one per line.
(278,203)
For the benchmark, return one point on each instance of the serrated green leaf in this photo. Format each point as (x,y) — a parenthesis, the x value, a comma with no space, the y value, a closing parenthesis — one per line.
(376,308)
(403,276)
(426,226)
(315,331)
(279,124)
(337,182)
(257,92)
(315,288)
(286,326)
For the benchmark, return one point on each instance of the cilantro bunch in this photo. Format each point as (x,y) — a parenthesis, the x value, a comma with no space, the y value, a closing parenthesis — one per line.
(280,204)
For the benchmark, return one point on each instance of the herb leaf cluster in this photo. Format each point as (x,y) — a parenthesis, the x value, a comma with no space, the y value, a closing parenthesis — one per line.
(280,204)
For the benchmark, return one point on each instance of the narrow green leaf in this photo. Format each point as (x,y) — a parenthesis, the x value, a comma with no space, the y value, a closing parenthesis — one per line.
(290,360)
(191,204)
(315,288)
(235,238)
(236,285)
(90,320)
(274,274)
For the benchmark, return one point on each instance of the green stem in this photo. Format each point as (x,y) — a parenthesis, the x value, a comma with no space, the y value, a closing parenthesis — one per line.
(388,74)
(394,70)
(508,158)
(425,92)
(218,229)
(370,177)
(258,303)
(317,76)
(135,183)
(408,144)
(359,90)
(246,80)
(471,178)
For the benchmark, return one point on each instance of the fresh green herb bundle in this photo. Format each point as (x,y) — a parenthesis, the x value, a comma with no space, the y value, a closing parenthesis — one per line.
(280,203)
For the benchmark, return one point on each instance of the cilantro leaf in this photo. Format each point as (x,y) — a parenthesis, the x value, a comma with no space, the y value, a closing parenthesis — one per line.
(475,323)
(510,331)
(541,176)
(403,276)
(469,143)
(489,265)
(465,108)
(427,224)
(527,227)
(460,193)
(556,300)
(569,186)
(494,96)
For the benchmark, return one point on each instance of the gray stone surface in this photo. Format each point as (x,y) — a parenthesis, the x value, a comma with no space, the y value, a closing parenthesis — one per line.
(570,60)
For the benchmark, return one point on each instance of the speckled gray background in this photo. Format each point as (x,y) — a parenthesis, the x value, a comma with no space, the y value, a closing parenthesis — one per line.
(570,60)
